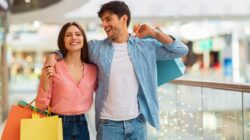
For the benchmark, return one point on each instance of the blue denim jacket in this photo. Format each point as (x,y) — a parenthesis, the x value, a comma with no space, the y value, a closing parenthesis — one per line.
(143,53)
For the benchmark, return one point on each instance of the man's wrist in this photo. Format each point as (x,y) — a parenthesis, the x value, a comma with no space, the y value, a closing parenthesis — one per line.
(155,33)
(173,38)
(57,54)
(164,38)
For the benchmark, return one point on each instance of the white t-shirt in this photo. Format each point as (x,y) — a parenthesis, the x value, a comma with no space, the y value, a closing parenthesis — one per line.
(121,102)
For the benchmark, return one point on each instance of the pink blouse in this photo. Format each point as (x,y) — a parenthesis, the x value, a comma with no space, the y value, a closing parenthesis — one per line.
(65,96)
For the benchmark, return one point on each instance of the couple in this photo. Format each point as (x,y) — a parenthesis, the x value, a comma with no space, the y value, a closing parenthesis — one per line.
(124,77)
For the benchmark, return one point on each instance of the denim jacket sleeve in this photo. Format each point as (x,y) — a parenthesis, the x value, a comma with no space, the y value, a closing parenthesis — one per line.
(169,51)
(91,47)
(58,52)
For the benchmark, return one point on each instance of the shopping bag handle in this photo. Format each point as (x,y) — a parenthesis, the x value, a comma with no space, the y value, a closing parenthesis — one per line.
(48,113)
(35,110)
(29,105)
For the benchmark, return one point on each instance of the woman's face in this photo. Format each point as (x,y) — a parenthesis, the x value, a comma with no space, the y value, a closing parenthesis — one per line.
(73,39)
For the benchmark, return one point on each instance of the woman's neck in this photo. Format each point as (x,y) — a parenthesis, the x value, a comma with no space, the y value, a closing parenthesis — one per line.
(73,59)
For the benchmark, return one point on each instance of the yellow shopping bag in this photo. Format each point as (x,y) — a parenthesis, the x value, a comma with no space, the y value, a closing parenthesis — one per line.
(36,128)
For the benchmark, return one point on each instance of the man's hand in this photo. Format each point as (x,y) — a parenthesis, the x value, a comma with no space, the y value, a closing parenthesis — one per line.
(143,31)
(49,70)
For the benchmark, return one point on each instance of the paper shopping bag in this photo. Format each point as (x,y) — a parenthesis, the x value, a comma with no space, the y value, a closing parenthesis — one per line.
(12,127)
(169,70)
(36,128)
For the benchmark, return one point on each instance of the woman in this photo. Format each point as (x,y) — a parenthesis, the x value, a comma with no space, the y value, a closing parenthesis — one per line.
(68,87)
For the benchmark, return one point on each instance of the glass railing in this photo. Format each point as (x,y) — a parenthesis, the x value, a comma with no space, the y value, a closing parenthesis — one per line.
(192,110)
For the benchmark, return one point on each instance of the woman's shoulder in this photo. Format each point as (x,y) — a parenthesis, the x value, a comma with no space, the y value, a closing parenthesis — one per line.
(59,66)
(90,65)
(59,63)
(91,68)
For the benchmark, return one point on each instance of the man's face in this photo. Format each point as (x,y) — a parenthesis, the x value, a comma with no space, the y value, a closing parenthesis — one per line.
(112,25)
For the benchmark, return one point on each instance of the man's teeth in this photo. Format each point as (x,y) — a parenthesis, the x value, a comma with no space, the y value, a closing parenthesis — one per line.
(107,30)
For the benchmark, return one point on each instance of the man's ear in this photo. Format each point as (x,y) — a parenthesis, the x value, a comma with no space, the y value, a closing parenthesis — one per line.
(124,18)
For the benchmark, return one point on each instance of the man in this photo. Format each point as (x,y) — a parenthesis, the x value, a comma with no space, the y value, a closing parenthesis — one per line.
(126,96)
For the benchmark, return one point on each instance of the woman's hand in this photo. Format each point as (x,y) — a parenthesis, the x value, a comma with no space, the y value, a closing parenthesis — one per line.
(47,74)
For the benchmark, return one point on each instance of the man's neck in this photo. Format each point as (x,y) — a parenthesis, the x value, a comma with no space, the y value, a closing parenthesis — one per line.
(123,38)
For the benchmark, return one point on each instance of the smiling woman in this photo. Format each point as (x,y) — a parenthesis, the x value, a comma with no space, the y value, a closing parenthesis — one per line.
(67,88)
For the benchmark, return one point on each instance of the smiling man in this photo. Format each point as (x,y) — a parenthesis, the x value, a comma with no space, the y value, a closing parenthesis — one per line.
(126,96)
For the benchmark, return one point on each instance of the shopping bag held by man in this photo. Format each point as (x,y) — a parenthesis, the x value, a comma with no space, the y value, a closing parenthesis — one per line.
(169,70)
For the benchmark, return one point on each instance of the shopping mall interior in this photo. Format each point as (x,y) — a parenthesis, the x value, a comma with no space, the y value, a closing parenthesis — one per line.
(209,102)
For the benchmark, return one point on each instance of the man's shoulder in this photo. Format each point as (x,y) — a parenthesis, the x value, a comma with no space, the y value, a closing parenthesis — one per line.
(97,42)
(96,45)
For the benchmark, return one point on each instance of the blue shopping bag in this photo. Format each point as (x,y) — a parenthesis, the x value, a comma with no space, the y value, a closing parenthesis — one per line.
(169,70)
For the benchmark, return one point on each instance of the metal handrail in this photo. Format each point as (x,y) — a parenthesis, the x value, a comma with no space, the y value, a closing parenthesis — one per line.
(215,85)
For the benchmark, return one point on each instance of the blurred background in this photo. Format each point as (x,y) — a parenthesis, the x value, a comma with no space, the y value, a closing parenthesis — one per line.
(217,33)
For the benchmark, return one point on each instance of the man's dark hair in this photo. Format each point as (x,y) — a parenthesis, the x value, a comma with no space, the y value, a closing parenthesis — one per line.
(119,8)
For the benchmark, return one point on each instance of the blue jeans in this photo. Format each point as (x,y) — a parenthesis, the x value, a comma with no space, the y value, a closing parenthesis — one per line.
(134,129)
(75,127)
